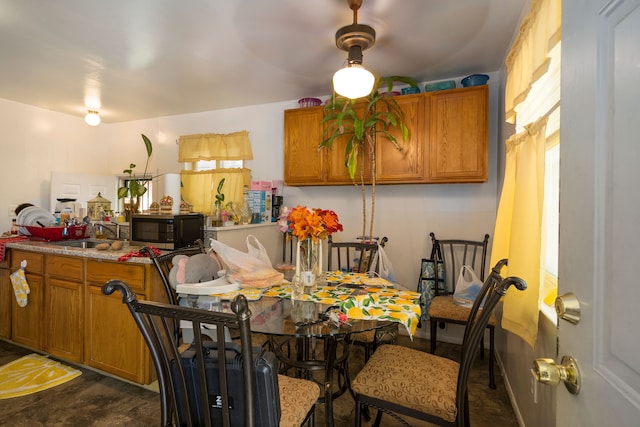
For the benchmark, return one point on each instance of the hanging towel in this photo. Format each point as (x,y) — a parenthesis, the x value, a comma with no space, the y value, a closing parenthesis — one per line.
(20,285)
(5,240)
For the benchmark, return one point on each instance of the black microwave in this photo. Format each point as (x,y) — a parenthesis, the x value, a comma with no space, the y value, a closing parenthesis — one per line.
(166,231)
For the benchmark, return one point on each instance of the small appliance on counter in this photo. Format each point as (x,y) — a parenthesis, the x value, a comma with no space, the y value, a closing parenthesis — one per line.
(166,231)
(69,205)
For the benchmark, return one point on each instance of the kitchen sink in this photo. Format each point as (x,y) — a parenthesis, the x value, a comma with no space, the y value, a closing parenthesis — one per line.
(83,243)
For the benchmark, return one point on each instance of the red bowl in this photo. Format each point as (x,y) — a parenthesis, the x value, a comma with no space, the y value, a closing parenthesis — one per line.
(53,234)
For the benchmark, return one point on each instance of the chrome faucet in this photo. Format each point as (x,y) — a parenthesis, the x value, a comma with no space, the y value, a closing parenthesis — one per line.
(112,228)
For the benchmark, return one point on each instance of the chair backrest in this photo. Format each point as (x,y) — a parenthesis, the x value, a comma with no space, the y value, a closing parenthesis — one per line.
(458,252)
(352,256)
(494,288)
(175,378)
(163,265)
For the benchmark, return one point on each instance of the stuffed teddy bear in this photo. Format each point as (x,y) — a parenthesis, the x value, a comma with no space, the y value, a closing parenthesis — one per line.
(194,269)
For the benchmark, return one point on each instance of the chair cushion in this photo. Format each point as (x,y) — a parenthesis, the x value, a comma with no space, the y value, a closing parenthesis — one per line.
(443,307)
(423,382)
(297,396)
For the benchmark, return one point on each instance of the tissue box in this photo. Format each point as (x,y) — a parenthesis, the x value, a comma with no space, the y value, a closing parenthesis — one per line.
(260,203)
(261,185)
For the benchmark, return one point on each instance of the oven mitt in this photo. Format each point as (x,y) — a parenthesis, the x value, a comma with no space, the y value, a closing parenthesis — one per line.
(20,285)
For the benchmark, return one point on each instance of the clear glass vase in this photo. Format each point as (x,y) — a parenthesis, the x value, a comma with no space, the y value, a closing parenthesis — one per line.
(308,268)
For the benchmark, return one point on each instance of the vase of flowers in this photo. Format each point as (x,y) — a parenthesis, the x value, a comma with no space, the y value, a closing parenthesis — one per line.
(310,226)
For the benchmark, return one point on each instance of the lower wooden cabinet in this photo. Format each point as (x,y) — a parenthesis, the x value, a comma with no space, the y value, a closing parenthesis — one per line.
(26,322)
(113,342)
(68,316)
(64,319)
(6,296)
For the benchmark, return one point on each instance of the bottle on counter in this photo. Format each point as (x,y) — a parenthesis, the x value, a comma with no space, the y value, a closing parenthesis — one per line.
(245,210)
(14,227)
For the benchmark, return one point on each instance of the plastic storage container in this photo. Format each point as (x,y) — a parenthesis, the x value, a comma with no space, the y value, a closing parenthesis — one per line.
(433,87)
(475,80)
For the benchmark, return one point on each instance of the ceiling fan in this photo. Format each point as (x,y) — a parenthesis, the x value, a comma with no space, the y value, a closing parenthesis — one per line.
(354,81)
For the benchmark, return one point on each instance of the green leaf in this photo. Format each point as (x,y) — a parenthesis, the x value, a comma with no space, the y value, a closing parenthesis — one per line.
(123,192)
(219,189)
(147,143)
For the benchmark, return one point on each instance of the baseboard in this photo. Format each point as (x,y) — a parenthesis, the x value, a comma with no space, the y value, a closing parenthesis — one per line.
(507,386)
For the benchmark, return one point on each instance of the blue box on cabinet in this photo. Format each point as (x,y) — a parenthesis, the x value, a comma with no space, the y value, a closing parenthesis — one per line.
(260,203)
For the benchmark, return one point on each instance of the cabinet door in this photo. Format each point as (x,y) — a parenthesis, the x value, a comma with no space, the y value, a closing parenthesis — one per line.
(303,161)
(63,314)
(6,296)
(113,341)
(408,164)
(27,321)
(458,135)
(337,172)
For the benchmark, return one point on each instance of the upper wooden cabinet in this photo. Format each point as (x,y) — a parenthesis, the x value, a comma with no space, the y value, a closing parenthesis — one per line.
(458,141)
(303,162)
(409,164)
(448,143)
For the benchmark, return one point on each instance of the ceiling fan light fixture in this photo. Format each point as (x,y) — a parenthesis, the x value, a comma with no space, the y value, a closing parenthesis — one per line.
(353,81)
(92,118)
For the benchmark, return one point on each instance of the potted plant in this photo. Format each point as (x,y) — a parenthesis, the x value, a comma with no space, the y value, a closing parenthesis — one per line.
(381,115)
(217,220)
(136,187)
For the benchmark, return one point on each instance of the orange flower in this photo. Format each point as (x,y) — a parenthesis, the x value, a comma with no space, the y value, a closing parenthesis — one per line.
(314,223)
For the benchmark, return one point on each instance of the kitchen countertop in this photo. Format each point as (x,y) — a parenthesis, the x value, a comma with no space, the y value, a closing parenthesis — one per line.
(54,248)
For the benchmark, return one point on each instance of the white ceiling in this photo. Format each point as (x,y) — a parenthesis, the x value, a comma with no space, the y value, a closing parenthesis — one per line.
(137,59)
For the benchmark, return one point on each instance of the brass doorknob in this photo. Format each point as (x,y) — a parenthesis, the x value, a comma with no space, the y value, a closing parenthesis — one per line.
(546,371)
(568,307)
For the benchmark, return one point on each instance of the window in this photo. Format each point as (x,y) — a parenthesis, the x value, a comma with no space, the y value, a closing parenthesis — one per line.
(205,165)
(145,200)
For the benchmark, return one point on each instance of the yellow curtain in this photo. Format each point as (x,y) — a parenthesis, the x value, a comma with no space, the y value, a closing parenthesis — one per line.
(199,188)
(213,146)
(527,60)
(518,231)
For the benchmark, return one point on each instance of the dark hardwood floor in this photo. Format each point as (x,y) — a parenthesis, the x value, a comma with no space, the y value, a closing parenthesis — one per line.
(93,399)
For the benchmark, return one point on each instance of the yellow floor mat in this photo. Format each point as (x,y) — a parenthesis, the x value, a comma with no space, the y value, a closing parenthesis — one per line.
(33,373)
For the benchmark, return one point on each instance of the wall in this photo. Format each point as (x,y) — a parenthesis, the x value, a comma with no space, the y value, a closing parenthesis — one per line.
(533,403)
(404,213)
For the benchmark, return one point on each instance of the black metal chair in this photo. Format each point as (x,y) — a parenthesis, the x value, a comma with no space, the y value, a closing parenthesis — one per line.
(352,256)
(359,256)
(163,266)
(454,253)
(186,389)
(438,386)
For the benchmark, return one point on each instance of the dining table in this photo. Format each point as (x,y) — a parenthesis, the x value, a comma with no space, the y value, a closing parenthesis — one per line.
(312,333)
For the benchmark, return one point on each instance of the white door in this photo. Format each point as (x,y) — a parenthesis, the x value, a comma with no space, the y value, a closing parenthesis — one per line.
(600,209)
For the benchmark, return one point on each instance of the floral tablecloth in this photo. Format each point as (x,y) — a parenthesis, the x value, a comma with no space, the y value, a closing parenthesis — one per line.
(371,299)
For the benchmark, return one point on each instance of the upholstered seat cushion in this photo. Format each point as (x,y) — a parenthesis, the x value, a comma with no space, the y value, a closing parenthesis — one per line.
(297,396)
(410,378)
(443,307)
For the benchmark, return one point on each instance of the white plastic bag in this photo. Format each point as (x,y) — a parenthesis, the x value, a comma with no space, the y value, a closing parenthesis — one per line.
(246,269)
(467,287)
(385,269)
(256,249)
